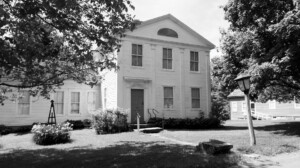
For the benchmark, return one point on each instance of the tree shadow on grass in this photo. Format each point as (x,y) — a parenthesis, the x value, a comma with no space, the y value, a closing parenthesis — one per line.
(291,128)
(125,154)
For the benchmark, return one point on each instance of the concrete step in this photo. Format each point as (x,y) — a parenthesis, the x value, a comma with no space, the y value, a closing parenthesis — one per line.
(134,126)
(150,130)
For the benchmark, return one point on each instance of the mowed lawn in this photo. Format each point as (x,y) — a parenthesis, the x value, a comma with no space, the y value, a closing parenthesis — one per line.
(87,149)
(170,148)
(272,137)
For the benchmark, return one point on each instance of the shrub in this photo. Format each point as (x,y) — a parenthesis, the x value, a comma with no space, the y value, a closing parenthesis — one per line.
(110,121)
(178,123)
(4,130)
(75,124)
(220,108)
(51,134)
(87,123)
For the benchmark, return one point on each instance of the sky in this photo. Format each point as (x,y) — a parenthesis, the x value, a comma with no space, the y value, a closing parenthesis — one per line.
(204,16)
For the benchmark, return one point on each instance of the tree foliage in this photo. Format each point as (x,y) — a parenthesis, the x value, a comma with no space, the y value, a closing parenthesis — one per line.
(44,42)
(263,40)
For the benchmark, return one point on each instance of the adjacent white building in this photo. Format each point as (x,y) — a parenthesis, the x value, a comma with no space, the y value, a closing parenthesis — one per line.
(164,65)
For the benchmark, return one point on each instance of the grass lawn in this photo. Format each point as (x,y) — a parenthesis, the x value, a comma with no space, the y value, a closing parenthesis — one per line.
(170,148)
(87,149)
(272,137)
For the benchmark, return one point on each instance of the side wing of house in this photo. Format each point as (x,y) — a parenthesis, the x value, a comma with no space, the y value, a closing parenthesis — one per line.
(164,69)
(72,101)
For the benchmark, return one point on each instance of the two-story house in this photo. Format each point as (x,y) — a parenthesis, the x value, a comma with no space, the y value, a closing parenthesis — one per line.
(164,65)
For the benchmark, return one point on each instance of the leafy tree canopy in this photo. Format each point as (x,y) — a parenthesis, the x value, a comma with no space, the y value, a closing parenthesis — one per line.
(44,42)
(263,40)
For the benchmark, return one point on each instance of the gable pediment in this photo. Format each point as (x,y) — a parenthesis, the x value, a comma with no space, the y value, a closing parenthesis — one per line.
(168,28)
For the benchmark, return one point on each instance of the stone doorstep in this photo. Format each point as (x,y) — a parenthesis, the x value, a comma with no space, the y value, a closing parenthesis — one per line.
(150,130)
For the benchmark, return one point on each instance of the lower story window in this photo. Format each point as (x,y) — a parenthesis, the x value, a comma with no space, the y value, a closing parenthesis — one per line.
(91,101)
(75,102)
(195,98)
(168,97)
(59,102)
(24,103)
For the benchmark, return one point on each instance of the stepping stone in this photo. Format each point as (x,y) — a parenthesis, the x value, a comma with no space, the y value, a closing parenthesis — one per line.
(151,130)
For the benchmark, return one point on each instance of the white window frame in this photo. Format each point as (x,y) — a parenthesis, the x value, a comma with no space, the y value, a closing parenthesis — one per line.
(79,110)
(195,98)
(172,106)
(272,104)
(136,55)
(234,106)
(94,101)
(18,101)
(167,59)
(193,61)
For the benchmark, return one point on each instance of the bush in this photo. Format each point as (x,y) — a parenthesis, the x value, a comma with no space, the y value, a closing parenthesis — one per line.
(4,130)
(178,123)
(110,121)
(87,123)
(51,134)
(220,108)
(75,124)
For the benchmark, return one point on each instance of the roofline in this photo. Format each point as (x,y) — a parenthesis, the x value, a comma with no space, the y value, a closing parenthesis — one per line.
(174,19)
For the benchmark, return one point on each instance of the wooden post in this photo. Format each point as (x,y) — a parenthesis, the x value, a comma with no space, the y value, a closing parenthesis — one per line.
(250,123)
(138,121)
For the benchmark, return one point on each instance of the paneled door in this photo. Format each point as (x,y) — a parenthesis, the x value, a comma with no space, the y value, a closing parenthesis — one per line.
(137,105)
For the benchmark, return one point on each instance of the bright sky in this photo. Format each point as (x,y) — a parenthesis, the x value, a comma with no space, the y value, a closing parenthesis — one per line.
(204,16)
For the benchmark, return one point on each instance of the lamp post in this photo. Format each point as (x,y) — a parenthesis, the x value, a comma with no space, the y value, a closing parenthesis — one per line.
(244,84)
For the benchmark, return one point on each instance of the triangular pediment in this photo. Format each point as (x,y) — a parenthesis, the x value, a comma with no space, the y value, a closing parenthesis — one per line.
(166,25)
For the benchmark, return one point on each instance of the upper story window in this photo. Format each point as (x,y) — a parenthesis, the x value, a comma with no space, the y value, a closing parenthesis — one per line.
(59,102)
(167,32)
(194,61)
(137,55)
(24,103)
(167,58)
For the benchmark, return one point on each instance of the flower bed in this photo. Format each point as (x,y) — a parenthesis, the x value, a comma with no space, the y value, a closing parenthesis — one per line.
(51,134)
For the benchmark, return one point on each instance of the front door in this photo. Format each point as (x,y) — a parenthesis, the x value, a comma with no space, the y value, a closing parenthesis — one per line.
(137,105)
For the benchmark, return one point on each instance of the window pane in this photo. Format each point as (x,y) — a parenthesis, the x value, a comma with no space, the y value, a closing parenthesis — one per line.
(59,108)
(169,64)
(196,66)
(195,103)
(170,53)
(140,50)
(195,93)
(75,108)
(196,56)
(165,64)
(134,49)
(75,97)
(139,61)
(168,92)
(24,97)
(59,97)
(165,53)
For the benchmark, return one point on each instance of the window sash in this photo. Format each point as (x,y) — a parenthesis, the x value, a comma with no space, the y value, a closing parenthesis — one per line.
(24,103)
(168,97)
(75,102)
(234,106)
(195,94)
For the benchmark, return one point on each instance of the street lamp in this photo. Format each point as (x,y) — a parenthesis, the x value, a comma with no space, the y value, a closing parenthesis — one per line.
(244,84)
